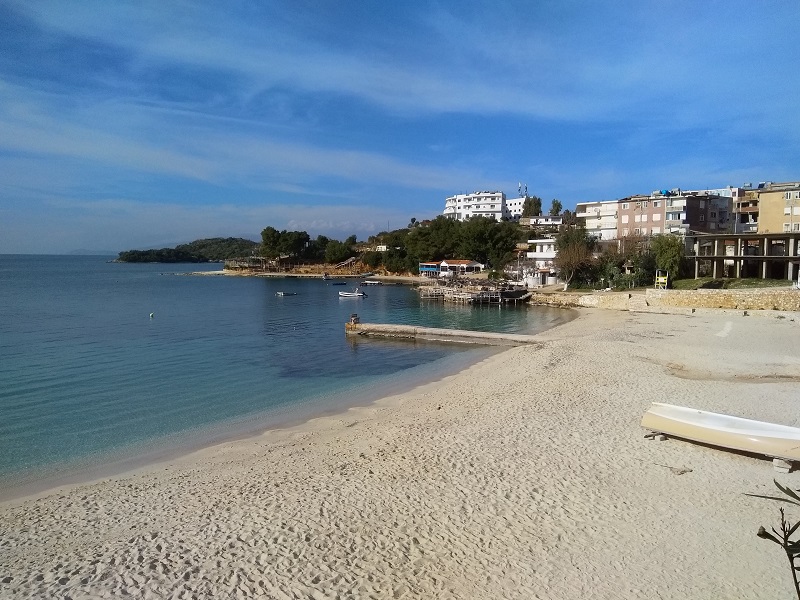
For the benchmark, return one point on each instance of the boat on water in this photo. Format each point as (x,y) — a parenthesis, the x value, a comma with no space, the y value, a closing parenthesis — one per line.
(725,431)
(371,282)
(339,283)
(356,293)
(286,293)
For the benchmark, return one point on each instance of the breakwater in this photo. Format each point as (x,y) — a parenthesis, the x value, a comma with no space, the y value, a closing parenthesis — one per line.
(439,335)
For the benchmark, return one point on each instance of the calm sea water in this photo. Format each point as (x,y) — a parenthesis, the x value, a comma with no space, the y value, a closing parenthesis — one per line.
(87,377)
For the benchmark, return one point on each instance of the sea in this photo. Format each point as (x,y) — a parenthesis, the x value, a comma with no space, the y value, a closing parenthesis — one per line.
(105,366)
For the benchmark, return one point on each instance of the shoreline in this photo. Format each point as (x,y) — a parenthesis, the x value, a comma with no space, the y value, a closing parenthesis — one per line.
(525,476)
(141,457)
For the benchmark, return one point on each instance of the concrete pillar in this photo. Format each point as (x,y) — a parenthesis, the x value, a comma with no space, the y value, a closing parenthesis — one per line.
(739,259)
(715,261)
(790,262)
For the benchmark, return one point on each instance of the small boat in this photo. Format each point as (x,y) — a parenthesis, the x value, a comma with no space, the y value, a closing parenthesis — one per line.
(356,293)
(325,277)
(371,282)
(286,293)
(725,431)
(339,283)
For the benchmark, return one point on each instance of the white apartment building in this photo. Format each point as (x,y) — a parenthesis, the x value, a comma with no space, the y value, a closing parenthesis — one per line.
(483,204)
(541,253)
(600,218)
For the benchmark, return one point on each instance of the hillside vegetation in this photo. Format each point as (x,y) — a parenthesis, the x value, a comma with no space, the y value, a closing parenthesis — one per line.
(207,250)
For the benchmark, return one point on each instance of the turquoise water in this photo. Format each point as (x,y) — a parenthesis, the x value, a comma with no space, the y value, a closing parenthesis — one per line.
(87,376)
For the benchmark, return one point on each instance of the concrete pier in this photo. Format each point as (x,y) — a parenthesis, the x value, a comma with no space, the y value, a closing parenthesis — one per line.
(440,335)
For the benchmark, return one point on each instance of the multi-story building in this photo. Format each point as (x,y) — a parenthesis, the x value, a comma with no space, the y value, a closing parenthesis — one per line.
(600,218)
(745,209)
(640,216)
(541,268)
(478,204)
(778,207)
(703,211)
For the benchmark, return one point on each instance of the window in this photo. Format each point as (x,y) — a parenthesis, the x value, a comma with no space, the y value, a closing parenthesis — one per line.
(655,230)
(644,230)
(637,231)
(713,215)
(656,217)
(624,232)
(644,218)
(786,227)
(656,203)
(644,204)
(625,206)
(637,218)
(787,210)
(624,218)
(702,203)
(702,218)
(796,227)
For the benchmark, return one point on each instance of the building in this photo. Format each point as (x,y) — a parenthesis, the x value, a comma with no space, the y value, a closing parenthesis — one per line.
(640,216)
(449,268)
(540,268)
(478,204)
(778,207)
(542,222)
(493,205)
(599,218)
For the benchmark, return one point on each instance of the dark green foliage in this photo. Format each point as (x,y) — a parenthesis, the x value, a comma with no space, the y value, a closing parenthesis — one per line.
(532,206)
(555,207)
(669,252)
(782,536)
(336,251)
(479,238)
(372,259)
(212,249)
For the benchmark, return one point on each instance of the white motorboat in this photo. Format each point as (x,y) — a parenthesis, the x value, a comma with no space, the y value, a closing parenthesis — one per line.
(356,293)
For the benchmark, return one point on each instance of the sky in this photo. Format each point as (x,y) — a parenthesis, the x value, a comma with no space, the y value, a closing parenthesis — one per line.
(132,125)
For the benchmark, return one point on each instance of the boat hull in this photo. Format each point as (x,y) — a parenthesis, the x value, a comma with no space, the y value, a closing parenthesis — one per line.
(725,431)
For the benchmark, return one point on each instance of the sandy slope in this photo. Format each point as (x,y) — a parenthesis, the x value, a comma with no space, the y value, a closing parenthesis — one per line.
(526,477)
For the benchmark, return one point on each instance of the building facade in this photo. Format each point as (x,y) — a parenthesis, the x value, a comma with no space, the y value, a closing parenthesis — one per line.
(599,218)
(478,204)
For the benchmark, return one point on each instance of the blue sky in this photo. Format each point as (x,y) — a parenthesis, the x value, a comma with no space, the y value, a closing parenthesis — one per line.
(135,125)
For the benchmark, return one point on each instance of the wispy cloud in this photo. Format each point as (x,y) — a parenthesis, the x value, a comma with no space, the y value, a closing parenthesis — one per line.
(347,115)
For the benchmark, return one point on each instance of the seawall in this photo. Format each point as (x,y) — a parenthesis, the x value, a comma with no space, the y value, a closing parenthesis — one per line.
(769,299)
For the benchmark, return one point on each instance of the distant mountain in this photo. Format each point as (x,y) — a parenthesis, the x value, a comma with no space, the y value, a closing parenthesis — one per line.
(206,250)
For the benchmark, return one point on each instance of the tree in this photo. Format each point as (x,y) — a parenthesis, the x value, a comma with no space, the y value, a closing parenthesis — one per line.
(532,206)
(293,243)
(568,217)
(336,252)
(555,207)
(574,252)
(270,239)
(669,252)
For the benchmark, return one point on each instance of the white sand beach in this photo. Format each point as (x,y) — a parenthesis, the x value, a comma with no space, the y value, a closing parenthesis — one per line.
(526,476)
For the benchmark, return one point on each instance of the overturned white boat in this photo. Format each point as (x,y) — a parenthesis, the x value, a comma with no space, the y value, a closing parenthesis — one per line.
(726,431)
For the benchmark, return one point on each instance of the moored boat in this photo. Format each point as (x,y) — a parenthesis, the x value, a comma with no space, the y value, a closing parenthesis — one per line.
(286,293)
(356,293)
